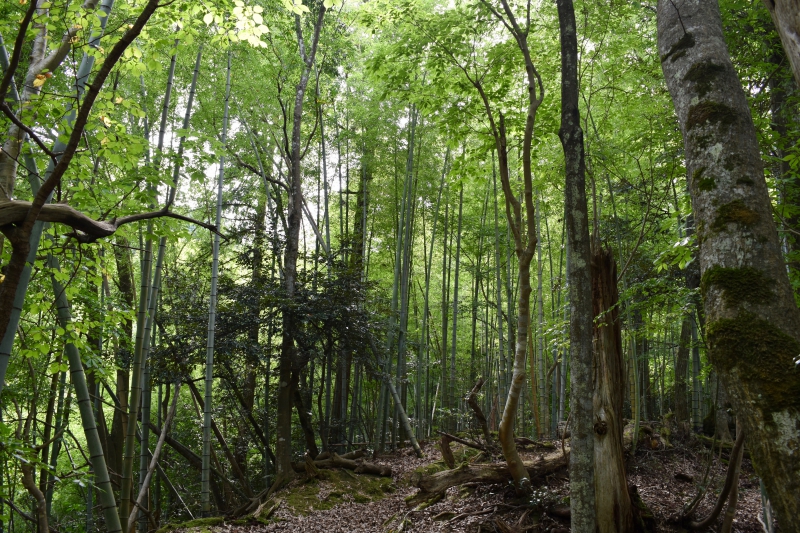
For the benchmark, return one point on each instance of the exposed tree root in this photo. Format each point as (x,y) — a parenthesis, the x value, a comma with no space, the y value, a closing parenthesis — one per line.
(352,461)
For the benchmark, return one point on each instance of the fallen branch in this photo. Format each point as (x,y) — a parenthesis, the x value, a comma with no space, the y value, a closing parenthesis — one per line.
(435,485)
(465,442)
(355,454)
(87,229)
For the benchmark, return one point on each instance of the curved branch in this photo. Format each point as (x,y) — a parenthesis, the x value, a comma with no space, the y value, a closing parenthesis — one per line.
(87,230)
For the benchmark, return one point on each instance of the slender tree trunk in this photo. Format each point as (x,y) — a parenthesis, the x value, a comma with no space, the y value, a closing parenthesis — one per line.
(78,377)
(753,323)
(293,153)
(453,396)
(145,483)
(212,316)
(502,386)
(581,471)
(681,378)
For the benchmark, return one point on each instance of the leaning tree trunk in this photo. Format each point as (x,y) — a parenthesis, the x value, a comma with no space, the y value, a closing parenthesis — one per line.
(581,471)
(613,503)
(753,323)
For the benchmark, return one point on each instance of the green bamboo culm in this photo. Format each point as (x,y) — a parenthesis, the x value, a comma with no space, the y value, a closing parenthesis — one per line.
(212,315)
(149,295)
(78,378)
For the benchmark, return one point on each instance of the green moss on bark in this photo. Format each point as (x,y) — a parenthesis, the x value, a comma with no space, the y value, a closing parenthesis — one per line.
(702,75)
(764,357)
(703,184)
(679,49)
(739,285)
(736,212)
(710,113)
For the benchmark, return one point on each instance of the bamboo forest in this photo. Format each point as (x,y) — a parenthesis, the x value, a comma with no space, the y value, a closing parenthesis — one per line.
(399,265)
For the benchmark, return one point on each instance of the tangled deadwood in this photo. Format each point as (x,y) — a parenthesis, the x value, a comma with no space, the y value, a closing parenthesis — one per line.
(432,487)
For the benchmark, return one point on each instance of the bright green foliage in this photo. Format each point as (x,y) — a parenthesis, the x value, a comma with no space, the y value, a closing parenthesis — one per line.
(377,61)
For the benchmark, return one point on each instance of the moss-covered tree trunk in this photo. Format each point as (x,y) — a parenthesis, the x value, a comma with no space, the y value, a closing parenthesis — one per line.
(752,321)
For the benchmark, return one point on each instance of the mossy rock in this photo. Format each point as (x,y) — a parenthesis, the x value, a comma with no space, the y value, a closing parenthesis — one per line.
(465,454)
(337,488)
(198,525)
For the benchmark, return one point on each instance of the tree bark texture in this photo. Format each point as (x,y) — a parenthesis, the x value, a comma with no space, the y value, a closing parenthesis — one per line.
(581,468)
(612,500)
(752,321)
(681,378)
(786,16)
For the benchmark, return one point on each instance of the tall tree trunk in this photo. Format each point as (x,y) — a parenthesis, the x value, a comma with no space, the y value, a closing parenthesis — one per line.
(288,354)
(78,377)
(613,503)
(753,323)
(581,459)
(453,348)
(212,315)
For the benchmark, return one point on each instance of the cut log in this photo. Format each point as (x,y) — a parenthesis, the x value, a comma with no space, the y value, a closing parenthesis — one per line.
(434,485)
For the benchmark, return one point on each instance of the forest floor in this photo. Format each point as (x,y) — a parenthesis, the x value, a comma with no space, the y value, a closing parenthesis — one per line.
(666,480)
